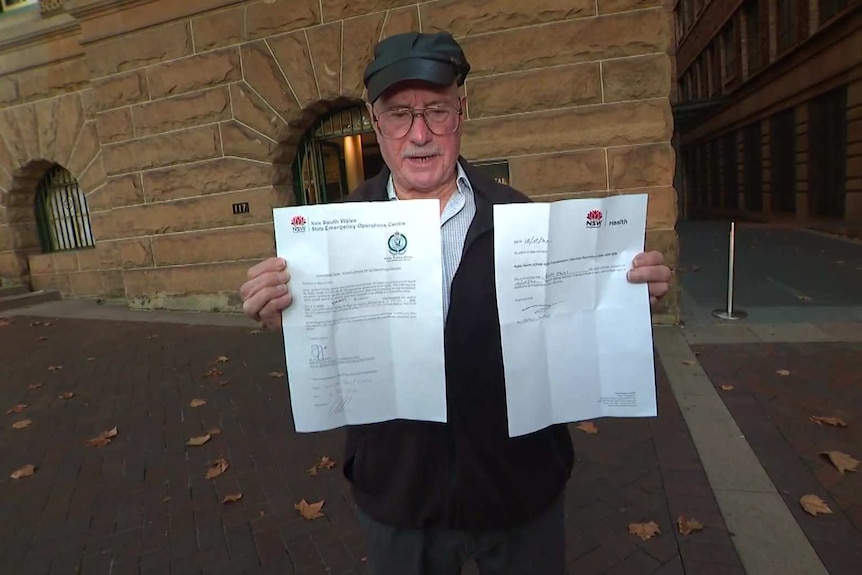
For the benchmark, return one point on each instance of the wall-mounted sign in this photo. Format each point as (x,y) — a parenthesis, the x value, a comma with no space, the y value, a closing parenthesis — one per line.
(498,170)
(241,208)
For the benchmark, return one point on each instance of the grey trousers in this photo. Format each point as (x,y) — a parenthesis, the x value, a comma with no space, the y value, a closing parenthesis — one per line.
(536,548)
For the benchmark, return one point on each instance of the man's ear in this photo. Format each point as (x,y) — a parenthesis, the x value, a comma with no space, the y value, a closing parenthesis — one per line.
(370,108)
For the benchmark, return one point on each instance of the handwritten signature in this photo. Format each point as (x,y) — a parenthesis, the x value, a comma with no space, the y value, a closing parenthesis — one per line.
(318,352)
(543,310)
(342,401)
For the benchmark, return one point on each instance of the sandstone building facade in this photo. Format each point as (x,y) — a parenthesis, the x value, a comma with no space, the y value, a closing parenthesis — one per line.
(769,103)
(144,143)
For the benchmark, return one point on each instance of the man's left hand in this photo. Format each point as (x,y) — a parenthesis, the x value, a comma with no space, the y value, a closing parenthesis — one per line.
(648,268)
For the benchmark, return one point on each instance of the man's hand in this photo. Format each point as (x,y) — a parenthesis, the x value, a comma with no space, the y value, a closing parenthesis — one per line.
(647,268)
(265,294)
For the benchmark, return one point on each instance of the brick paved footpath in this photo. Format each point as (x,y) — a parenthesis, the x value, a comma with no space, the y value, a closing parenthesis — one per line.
(773,411)
(100,511)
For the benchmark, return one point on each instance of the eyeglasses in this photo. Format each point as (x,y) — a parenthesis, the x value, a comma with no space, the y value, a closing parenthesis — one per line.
(441,120)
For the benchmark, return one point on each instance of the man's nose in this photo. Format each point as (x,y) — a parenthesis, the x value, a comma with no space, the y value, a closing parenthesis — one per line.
(419,132)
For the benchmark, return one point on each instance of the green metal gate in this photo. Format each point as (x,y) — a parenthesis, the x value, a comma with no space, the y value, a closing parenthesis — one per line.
(62,216)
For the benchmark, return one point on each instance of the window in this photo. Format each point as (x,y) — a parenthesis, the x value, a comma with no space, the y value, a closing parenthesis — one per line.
(62,216)
(786,24)
(752,35)
(827,153)
(830,8)
(731,167)
(753,167)
(783,160)
(335,156)
(9,5)
(728,42)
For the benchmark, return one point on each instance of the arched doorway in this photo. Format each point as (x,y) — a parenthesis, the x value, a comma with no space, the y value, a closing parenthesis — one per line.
(62,216)
(337,154)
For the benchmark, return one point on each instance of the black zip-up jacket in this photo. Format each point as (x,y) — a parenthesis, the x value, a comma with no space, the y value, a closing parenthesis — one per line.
(467,473)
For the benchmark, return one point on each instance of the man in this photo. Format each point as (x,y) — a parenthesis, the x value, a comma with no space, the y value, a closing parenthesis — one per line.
(431,495)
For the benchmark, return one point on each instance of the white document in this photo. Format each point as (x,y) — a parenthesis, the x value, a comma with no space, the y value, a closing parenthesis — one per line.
(363,336)
(576,334)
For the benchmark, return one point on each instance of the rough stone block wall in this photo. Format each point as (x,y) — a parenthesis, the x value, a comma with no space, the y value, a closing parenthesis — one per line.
(196,106)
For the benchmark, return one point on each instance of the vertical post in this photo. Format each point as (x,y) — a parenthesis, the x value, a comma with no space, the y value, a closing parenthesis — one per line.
(730,259)
(729,312)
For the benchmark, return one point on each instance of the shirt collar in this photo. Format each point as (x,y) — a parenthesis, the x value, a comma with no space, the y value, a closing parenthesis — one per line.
(463,184)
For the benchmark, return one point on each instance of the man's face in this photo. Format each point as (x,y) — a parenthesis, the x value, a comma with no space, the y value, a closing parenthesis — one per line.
(421,161)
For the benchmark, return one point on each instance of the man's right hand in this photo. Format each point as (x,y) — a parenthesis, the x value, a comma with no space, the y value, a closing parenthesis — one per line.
(265,294)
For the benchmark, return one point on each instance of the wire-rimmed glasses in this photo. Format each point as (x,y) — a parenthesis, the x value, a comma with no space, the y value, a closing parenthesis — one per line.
(441,120)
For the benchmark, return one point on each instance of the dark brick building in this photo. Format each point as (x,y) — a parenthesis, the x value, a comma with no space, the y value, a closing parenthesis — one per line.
(768,108)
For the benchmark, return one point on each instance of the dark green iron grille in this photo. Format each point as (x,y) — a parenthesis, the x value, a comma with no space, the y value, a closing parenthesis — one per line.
(62,216)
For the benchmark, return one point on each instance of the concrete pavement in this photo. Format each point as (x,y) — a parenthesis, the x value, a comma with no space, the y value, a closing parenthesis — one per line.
(736,460)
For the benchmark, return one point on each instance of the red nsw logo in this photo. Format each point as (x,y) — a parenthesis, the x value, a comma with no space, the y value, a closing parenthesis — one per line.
(594,219)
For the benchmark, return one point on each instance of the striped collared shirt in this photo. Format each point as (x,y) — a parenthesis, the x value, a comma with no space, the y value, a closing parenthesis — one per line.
(454,223)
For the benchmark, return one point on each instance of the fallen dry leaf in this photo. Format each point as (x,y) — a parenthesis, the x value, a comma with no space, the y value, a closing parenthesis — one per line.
(212,372)
(326,463)
(34,386)
(46,323)
(199,440)
(5,322)
(223,382)
(17,409)
(783,372)
(833,421)
(103,438)
(644,530)
(91,359)
(688,362)
(66,395)
(214,431)
(217,468)
(686,525)
(166,499)
(814,505)
(842,461)
(55,367)
(22,424)
(727,388)
(276,374)
(310,510)
(43,338)
(233,498)
(222,359)
(255,332)
(197,402)
(25,471)
(35,323)
(588,427)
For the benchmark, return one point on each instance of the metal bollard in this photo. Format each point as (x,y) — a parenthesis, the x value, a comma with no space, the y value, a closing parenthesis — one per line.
(729,312)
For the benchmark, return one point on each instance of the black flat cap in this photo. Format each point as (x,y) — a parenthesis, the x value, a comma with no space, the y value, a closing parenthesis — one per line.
(435,58)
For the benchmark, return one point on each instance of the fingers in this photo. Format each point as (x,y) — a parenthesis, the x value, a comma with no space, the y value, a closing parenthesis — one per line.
(658,289)
(266,294)
(261,297)
(649,274)
(270,315)
(646,259)
(267,265)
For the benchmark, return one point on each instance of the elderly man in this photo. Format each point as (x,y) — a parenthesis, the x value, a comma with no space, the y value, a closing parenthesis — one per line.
(429,495)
